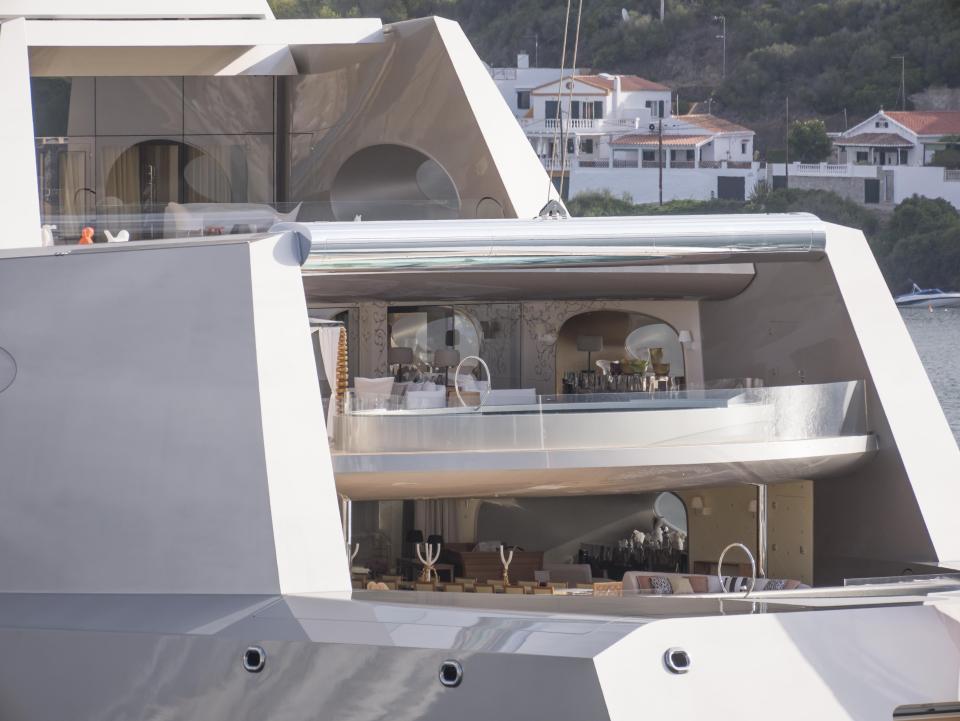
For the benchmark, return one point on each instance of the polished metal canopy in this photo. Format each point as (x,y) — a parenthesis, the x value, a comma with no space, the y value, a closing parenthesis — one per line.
(555,242)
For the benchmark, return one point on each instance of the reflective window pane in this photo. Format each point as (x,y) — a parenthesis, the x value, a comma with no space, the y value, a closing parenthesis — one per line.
(232,105)
(139,106)
(62,106)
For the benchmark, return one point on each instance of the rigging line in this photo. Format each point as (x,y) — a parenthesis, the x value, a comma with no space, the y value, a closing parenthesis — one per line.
(573,82)
(556,130)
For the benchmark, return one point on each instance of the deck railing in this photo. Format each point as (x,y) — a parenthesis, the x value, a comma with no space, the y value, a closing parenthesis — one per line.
(386,424)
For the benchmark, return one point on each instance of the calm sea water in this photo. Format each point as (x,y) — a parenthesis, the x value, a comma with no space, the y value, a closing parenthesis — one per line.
(937,337)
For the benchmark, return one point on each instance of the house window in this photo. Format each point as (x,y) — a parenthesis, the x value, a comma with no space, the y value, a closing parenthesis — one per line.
(598,109)
(649,155)
(523,99)
(586,146)
(903,156)
(691,156)
(570,144)
(551,110)
(862,156)
(743,147)
(655,107)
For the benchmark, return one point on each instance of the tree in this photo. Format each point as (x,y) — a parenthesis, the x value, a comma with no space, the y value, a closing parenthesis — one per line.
(948,157)
(808,141)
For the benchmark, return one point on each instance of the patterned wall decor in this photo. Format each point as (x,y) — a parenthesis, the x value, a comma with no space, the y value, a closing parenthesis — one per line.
(500,323)
(373,339)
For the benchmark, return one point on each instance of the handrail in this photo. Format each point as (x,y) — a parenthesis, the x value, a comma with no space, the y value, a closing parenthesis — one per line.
(753,568)
(456,379)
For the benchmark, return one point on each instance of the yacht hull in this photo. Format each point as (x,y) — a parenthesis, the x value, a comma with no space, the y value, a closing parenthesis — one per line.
(123,657)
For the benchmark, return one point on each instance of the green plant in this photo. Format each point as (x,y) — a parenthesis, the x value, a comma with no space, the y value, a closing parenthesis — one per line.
(808,141)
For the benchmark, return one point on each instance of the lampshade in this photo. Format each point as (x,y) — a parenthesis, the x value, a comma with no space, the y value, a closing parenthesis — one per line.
(590,343)
(435,538)
(415,536)
(685,336)
(402,356)
(446,357)
(696,503)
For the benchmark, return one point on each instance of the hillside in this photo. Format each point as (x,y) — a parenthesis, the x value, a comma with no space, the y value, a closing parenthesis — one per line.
(827,56)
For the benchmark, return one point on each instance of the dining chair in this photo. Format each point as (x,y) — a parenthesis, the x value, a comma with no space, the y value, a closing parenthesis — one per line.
(543,591)
(453,588)
(424,587)
(495,583)
(517,590)
(391,579)
(483,588)
(563,585)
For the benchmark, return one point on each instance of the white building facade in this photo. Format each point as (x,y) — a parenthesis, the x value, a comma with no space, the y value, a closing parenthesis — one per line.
(599,132)
(883,160)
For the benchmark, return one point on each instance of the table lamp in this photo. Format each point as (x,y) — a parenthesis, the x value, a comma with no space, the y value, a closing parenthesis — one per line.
(399,357)
(445,358)
(589,344)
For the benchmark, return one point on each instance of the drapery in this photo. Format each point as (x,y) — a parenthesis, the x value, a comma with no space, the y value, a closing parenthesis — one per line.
(453,518)
(328,337)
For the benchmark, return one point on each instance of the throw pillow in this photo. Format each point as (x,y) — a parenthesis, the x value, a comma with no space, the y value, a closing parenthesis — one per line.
(775,584)
(661,585)
(681,585)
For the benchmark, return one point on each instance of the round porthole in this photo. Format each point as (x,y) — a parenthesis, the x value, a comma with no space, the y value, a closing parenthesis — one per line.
(676,660)
(254,659)
(451,674)
(8,370)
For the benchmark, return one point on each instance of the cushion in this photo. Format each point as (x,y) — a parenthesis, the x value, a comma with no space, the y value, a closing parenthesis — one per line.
(775,584)
(699,584)
(681,585)
(732,584)
(661,585)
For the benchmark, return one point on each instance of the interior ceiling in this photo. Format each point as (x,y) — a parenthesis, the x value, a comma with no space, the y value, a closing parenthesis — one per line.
(696,282)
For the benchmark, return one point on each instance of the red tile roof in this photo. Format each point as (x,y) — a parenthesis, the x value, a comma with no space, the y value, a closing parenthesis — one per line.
(668,140)
(628,83)
(928,122)
(714,124)
(889,140)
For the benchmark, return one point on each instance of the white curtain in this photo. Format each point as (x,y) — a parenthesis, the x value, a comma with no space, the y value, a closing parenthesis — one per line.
(453,518)
(329,341)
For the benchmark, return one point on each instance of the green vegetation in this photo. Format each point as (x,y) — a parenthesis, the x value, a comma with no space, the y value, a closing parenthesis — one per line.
(824,204)
(808,141)
(949,157)
(919,242)
(828,56)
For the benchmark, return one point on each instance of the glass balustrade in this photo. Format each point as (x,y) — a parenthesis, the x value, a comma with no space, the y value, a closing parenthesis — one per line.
(521,420)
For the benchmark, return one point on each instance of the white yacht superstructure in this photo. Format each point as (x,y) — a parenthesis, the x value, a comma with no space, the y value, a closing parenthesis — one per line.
(351,428)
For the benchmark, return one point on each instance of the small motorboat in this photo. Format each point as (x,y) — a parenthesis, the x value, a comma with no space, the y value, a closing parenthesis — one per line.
(928,298)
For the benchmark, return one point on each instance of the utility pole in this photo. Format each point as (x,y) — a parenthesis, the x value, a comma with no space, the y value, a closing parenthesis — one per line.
(903,80)
(660,156)
(786,158)
(722,36)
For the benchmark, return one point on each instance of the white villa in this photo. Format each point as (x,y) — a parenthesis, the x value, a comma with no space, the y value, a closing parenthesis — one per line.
(897,137)
(883,160)
(613,123)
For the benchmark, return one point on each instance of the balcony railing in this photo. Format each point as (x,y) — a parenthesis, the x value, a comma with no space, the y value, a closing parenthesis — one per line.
(682,164)
(606,420)
(624,162)
(601,163)
(951,175)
